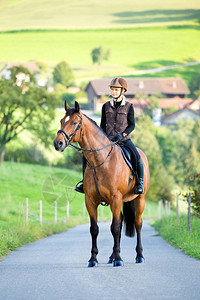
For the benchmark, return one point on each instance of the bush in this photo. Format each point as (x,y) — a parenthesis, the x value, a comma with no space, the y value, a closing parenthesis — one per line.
(70,98)
(30,155)
(194,184)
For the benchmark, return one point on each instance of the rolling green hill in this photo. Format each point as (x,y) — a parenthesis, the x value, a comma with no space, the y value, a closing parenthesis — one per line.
(18,14)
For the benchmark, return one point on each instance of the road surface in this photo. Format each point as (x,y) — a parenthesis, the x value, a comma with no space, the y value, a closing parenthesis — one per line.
(56,268)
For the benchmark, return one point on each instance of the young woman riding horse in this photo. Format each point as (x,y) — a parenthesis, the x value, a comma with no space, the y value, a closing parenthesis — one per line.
(117,121)
(106,180)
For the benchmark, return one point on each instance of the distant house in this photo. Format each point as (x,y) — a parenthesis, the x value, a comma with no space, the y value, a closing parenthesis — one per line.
(5,73)
(164,103)
(168,87)
(181,114)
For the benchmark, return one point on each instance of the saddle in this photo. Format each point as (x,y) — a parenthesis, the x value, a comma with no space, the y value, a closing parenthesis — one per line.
(126,153)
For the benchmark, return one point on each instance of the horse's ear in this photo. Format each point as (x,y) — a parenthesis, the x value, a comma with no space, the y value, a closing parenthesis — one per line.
(77,108)
(66,106)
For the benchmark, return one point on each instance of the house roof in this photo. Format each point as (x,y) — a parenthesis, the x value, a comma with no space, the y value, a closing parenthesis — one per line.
(164,103)
(177,115)
(30,65)
(143,85)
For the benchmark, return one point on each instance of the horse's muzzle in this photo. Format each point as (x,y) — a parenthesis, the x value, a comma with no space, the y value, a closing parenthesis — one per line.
(59,145)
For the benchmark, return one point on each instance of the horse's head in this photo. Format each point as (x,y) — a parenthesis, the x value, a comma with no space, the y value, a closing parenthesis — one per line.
(71,126)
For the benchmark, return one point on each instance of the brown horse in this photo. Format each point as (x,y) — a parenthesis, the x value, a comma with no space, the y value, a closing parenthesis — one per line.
(106,180)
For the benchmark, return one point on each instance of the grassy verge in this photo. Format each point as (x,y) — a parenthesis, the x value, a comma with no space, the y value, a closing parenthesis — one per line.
(175,232)
(16,235)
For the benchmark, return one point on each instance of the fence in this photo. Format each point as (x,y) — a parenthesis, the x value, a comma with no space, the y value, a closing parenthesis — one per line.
(27,215)
(167,208)
(67,210)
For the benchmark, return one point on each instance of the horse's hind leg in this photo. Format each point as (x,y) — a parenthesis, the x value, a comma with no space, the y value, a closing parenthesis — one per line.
(139,208)
(94,231)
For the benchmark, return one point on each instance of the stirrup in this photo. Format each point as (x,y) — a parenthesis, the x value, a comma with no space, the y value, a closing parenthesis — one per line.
(80,187)
(139,187)
(136,191)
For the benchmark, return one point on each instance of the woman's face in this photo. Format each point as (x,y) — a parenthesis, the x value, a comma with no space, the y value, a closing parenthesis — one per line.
(115,92)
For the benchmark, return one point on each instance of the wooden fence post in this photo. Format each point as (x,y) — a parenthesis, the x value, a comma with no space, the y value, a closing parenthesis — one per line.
(26,210)
(189,211)
(169,208)
(177,206)
(166,208)
(40,211)
(55,211)
(67,210)
(160,208)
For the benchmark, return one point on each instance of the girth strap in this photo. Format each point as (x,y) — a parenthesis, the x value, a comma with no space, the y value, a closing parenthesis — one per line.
(97,190)
(95,180)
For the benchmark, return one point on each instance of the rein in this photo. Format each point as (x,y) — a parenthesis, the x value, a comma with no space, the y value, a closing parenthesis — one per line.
(69,138)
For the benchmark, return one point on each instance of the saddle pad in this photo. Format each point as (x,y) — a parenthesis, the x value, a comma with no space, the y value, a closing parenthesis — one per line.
(127,157)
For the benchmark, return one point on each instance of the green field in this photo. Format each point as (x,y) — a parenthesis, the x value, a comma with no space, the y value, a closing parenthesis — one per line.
(131,49)
(70,14)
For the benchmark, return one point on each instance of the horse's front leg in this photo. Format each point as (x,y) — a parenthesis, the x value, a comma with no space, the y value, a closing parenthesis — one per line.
(116,227)
(94,231)
(139,208)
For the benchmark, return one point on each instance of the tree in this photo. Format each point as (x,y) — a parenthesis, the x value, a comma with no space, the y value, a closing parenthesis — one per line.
(98,55)
(63,74)
(143,137)
(24,106)
(194,85)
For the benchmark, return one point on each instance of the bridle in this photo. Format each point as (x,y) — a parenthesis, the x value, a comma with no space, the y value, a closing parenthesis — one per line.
(69,138)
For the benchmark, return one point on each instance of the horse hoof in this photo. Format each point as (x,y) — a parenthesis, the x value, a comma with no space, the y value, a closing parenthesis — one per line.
(118,263)
(140,260)
(92,264)
(110,261)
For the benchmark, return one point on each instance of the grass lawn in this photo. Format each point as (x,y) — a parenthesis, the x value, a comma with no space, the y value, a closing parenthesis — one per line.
(175,232)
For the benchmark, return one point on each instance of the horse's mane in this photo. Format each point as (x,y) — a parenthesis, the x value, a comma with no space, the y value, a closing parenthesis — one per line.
(72,111)
(96,125)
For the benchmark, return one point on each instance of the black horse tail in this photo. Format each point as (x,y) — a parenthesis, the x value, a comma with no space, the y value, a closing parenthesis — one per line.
(129,218)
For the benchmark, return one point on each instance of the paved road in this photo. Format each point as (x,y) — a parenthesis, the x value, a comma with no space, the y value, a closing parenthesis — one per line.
(56,268)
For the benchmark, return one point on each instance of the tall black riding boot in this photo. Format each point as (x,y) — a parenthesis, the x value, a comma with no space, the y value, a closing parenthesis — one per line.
(79,188)
(139,188)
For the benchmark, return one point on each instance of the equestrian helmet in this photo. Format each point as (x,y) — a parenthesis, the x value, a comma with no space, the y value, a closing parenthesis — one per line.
(119,82)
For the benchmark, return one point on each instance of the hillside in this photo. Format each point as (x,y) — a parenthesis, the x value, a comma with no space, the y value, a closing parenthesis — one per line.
(27,14)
